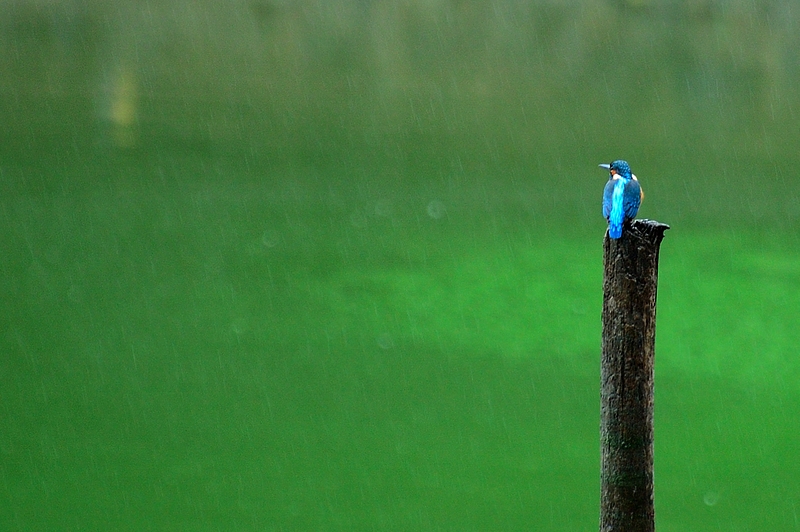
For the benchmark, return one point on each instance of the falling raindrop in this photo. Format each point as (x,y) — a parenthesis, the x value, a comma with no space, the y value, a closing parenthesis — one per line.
(75,294)
(383,209)
(580,307)
(385,341)
(270,238)
(711,498)
(53,255)
(358,219)
(436,210)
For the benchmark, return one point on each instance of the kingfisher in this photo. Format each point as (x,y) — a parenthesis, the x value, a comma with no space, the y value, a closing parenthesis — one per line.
(621,197)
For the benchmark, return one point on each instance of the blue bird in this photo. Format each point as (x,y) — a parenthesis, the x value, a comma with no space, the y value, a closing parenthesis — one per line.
(621,197)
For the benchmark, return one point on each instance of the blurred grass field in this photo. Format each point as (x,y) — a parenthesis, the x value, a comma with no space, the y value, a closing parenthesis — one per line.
(337,265)
(202,355)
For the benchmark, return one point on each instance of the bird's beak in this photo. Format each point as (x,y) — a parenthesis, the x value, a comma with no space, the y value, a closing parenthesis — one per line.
(606,166)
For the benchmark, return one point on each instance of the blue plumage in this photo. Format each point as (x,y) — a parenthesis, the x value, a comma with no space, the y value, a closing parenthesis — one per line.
(621,197)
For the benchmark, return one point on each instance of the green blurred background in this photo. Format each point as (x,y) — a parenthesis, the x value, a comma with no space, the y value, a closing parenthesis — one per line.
(336,265)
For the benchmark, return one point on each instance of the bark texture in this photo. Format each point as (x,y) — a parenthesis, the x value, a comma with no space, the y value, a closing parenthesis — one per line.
(630,279)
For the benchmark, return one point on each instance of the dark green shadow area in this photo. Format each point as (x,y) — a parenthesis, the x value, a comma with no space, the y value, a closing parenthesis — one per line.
(725,455)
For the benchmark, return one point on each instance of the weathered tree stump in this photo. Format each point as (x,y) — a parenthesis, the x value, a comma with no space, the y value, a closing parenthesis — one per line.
(630,278)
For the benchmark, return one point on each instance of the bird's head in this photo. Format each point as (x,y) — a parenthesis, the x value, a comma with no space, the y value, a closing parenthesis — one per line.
(618,167)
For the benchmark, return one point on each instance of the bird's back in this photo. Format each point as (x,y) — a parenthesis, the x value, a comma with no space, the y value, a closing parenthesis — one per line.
(631,198)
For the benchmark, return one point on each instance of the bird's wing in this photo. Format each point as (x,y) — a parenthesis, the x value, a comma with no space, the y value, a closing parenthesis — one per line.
(631,198)
(607,193)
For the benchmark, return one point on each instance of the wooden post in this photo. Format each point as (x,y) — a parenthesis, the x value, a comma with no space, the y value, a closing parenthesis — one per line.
(630,277)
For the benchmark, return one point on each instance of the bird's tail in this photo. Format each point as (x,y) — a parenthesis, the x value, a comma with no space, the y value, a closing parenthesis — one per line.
(614,230)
